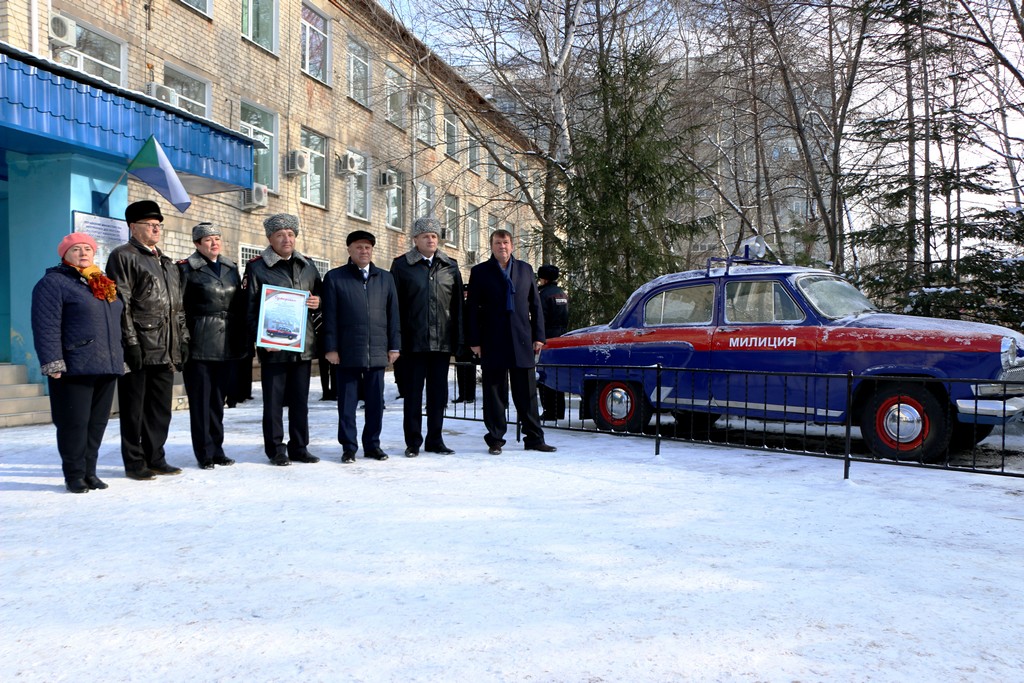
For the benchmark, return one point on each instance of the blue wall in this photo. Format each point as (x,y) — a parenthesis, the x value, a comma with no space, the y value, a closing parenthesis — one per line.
(48,188)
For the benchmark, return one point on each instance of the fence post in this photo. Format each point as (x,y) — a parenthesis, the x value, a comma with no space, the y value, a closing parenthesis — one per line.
(849,423)
(657,413)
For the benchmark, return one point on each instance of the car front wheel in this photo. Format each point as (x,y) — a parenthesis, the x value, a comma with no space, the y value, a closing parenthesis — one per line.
(619,407)
(906,422)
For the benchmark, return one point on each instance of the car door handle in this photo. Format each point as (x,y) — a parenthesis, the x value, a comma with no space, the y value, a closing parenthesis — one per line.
(641,333)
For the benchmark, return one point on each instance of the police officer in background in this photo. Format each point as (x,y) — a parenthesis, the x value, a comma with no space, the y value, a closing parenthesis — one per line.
(555,304)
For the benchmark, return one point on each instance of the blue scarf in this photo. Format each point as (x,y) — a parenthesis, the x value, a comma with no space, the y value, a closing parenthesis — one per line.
(510,291)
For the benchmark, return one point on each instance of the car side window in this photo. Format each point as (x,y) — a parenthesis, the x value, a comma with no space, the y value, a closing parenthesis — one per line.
(760,301)
(684,306)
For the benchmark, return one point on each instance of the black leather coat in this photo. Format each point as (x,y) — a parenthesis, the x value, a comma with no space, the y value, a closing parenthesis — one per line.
(429,302)
(149,285)
(215,308)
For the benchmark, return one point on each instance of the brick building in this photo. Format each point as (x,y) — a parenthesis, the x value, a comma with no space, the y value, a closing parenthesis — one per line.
(330,110)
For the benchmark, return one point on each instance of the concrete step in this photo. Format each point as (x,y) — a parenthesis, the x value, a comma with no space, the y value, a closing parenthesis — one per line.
(13,374)
(20,390)
(35,417)
(28,404)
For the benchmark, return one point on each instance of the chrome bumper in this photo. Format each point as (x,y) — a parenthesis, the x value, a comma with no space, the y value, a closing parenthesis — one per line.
(1007,410)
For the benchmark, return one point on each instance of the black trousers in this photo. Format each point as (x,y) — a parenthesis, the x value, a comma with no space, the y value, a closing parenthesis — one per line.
(144,399)
(495,385)
(553,402)
(428,369)
(465,377)
(327,389)
(80,406)
(348,381)
(206,383)
(285,385)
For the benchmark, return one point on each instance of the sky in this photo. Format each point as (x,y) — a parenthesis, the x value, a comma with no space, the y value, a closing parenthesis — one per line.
(601,562)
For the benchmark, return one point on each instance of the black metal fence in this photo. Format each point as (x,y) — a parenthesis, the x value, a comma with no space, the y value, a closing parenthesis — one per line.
(908,421)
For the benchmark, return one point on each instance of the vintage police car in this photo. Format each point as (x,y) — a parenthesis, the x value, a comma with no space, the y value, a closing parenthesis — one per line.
(774,342)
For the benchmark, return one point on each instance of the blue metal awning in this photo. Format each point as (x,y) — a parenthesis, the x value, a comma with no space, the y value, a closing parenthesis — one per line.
(48,108)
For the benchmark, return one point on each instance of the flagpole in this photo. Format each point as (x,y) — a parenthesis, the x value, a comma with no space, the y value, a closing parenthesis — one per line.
(106,197)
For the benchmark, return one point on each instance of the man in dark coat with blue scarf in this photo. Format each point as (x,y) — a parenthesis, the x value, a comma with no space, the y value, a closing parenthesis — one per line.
(505,328)
(361,337)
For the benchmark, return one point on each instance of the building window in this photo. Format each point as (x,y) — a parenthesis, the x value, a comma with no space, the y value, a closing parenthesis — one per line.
(472,234)
(451,133)
(394,202)
(358,188)
(394,97)
(193,94)
(315,43)
(201,5)
(473,152)
(492,170)
(247,252)
(424,200)
(258,20)
(492,225)
(322,264)
(359,72)
(313,183)
(450,224)
(261,125)
(94,54)
(509,180)
(425,117)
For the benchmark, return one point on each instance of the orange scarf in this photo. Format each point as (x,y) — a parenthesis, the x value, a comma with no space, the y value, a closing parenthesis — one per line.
(103,288)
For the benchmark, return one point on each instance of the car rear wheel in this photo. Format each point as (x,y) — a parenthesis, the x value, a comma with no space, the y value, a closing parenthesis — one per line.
(906,422)
(619,407)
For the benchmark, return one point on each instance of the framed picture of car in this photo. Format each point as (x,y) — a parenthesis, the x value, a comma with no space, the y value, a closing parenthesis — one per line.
(282,321)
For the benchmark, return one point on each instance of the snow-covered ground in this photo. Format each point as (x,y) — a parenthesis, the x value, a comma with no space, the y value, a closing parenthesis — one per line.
(601,562)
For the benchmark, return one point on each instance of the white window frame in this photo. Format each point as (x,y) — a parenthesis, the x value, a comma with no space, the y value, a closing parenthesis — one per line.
(394,96)
(309,30)
(202,6)
(183,101)
(322,264)
(425,198)
(266,156)
(450,222)
(358,201)
(473,229)
(248,10)
(451,133)
(425,132)
(394,203)
(83,61)
(473,155)
(317,167)
(359,85)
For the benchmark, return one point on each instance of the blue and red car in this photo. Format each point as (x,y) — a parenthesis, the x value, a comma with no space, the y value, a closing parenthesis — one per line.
(772,342)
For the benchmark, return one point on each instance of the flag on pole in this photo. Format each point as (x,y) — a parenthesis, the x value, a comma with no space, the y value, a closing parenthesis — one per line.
(152,167)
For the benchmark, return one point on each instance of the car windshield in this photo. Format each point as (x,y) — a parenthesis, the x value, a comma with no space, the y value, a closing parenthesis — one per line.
(834,297)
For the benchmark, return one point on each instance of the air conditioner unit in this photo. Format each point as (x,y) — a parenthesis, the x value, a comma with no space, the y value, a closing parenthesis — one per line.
(162,93)
(255,197)
(297,162)
(388,179)
(346,165)
(63,31)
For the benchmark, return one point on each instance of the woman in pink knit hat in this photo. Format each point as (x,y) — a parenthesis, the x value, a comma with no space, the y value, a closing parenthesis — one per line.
(76,325)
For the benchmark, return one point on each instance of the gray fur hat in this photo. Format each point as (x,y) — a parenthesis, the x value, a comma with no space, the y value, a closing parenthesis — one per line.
(426,224)
(204,230)
(281,221)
